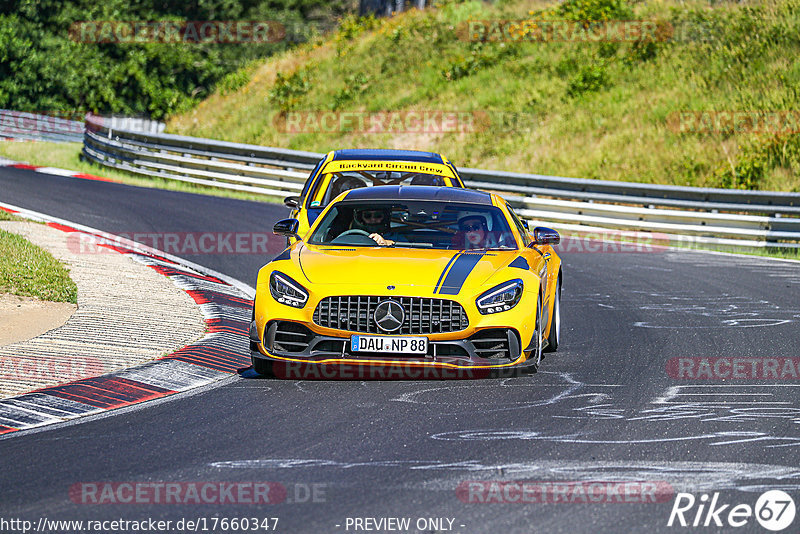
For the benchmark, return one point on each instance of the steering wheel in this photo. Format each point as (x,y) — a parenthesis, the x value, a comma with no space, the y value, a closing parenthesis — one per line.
(356,236)
(354,231)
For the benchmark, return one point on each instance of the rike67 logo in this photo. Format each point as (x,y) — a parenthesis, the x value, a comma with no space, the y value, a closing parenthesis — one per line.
(774,510)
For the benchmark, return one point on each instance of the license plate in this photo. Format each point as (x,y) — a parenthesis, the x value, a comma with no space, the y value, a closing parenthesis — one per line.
(389,344)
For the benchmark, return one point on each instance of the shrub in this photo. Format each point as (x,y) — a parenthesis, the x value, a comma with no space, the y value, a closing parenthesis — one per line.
(288,91)
(478,56)
(354,85)
(233,81)
(590,78)
(762,155)
(589,10)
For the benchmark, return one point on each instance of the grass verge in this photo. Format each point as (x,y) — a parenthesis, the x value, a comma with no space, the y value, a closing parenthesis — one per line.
(5,216)
(30,271)
(769,252)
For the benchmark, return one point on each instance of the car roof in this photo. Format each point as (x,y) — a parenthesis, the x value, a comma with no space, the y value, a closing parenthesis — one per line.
(419,192)
(388,155)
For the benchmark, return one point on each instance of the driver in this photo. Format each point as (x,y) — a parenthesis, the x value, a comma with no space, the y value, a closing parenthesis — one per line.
(375,221)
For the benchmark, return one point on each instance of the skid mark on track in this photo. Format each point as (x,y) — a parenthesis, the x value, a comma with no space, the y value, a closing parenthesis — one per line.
(670,310)
(727,414)
(789,272)
(708,438)
(727,323)
(542,394)
(703,311)
(683,476)
(733,403)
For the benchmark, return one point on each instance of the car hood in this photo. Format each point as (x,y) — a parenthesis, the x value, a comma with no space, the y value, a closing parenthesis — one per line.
(439,271)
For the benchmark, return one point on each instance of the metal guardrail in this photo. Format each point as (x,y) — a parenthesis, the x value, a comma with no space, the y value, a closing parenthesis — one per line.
(691,215)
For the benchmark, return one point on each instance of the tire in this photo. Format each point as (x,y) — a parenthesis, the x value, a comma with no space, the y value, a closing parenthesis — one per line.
(536,352)
(262,366)
(554,336)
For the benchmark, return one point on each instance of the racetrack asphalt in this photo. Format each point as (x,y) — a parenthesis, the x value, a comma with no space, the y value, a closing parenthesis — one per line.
(605,407)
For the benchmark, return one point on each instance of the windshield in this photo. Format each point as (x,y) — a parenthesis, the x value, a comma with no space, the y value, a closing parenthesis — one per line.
(415,224)
(341,181)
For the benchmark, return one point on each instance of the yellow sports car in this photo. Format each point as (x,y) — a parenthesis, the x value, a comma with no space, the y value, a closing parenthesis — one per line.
(341,170)
(412,277)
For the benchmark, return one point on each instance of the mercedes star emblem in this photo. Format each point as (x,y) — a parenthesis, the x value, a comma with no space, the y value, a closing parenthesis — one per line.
(389,315)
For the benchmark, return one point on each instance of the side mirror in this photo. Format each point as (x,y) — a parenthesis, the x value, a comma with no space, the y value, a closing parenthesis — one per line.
(287,227)
(545,236)
(292,202)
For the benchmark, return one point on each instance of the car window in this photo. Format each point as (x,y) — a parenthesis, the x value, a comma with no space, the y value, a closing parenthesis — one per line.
(416,224)
(331,185)
(311,176)
(523,232)
(457,182)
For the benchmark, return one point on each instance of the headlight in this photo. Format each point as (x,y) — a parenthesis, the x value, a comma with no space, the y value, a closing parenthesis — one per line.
(500,298)
(287,291)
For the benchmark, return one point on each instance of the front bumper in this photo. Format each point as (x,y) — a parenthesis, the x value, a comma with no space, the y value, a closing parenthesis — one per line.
(459,337)
(288,341)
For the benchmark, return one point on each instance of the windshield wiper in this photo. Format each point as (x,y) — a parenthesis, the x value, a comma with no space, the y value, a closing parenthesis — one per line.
(405,244)
(484,249)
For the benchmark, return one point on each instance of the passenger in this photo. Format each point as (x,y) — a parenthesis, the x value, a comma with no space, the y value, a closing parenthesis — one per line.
(345,183)
(474,230)
(426,179)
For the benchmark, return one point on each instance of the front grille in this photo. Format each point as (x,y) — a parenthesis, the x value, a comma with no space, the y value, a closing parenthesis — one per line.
(422,315)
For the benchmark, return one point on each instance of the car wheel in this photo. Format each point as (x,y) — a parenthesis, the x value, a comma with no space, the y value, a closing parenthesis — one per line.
(536,352)
(554,337)
(261,366)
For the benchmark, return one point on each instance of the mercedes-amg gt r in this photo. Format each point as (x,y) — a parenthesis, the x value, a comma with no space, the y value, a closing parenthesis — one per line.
(413,276)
